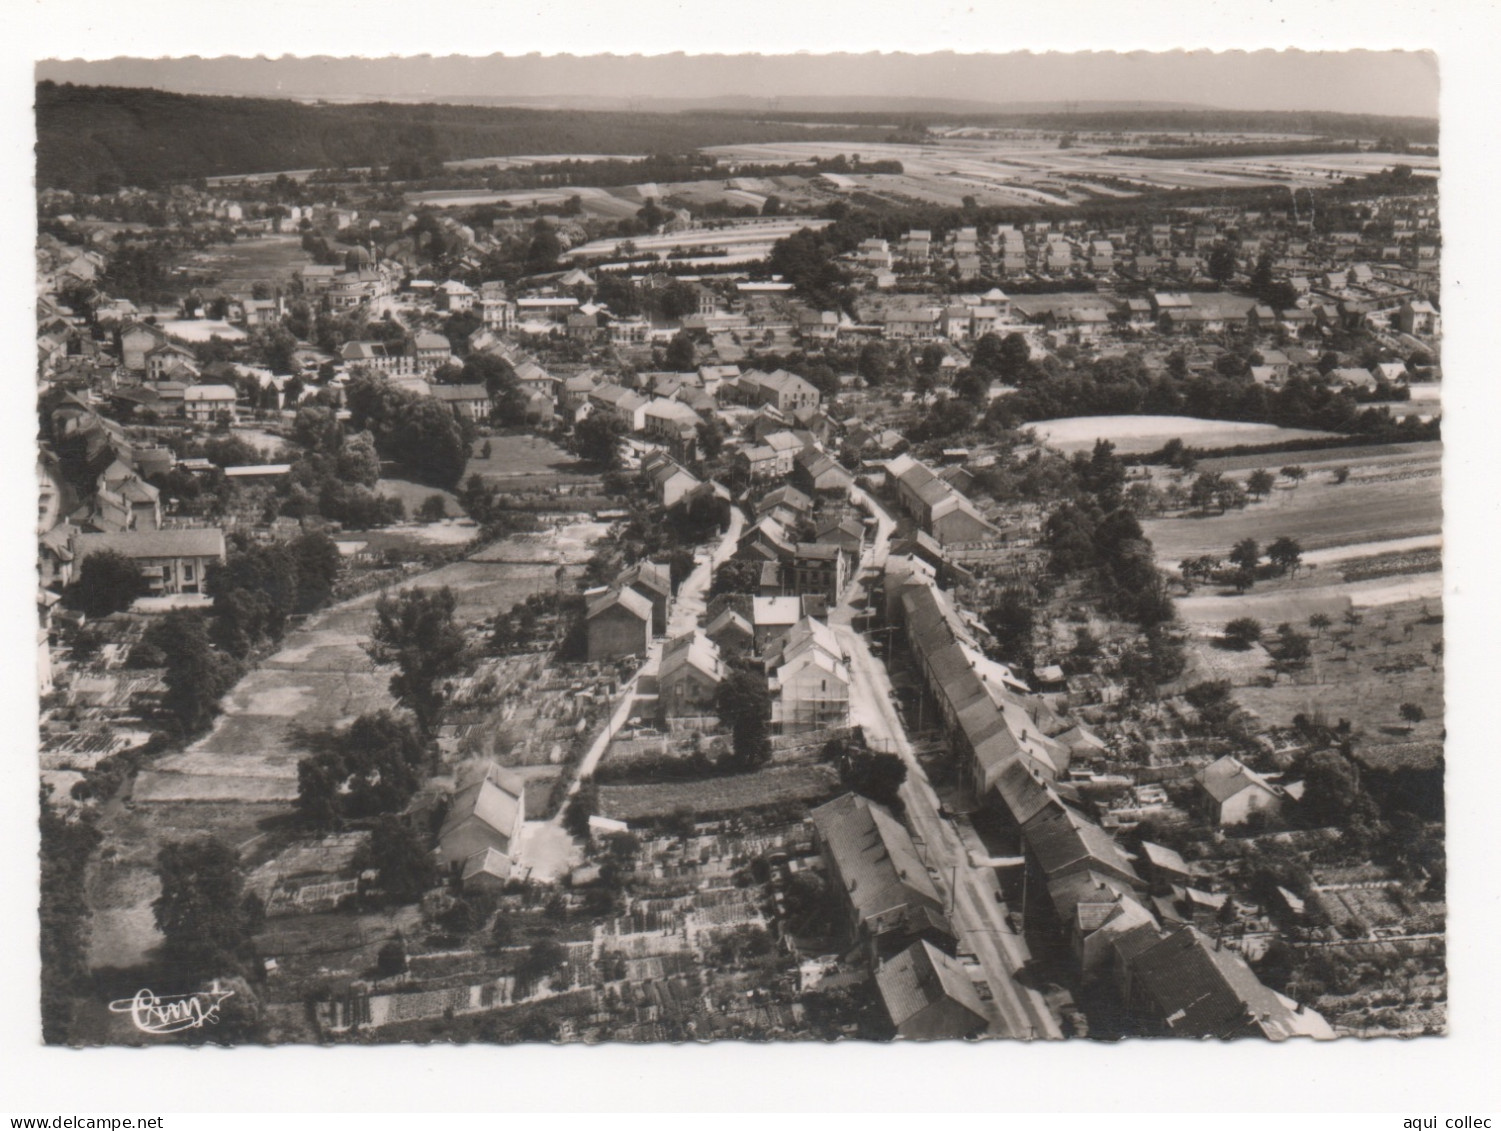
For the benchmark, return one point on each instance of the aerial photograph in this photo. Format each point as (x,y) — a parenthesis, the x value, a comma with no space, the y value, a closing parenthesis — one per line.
(739,548)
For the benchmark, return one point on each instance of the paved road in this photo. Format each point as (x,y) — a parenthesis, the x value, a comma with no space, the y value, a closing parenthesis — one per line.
(687,606)
(973,894)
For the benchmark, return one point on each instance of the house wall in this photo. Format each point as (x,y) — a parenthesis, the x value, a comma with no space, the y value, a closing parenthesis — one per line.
(617,632)
(1238,809)
(687,691)
(470,837)
(812,699)
(958,526)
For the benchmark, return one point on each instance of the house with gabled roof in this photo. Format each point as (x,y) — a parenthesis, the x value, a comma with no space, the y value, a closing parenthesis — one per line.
(929,996)
(690,675)
(888,897)
(653,580)
(1230,792)
(619,624)
(731,631)
(487,813)
(1187,985)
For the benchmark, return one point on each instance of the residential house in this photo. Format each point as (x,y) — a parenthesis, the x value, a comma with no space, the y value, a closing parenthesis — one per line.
(619,624)
(690,675)
(1185,984)
(772,617)
(819,474)
(487,814)
(137,339)
(889,900)
(204,403)
(787,391)
(472,402)
(653,580)
(172,561)
(929,996)
(487,871)
(1419,318)
(810,679)
(819,568)
(164,357)
(731,632)
(1231,792)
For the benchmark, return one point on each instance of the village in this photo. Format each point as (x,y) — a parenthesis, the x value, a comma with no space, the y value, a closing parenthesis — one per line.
(776,605)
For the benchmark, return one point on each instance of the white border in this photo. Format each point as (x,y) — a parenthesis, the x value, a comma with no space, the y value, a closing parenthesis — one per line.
(1450,1075)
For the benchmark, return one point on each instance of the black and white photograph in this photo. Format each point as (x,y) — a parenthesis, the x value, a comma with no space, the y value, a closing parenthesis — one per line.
(740,548)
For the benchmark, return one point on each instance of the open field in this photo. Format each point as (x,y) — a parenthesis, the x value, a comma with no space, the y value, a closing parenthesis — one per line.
(1389,662)
(1032,169)
(775,786)
(202,330)
(521,461)
(1390,499)
(1137,434)
(598,203)
(1376,456)
(260,259)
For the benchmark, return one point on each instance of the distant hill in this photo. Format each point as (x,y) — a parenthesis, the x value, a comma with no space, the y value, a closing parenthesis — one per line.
(92,137)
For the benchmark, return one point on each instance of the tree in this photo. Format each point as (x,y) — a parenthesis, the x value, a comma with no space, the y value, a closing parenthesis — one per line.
(1011,621)
(403,864)
(1260,483)
(876,775)
(1222,263)
(1294,474)
(744,704)
(415,630)
(1411,712)
(1286,554)
(318,566)
(1332,792)
(1241,633)
(433,509)
(596,438)
(1245,553)
(202,911)
(107,583)
(874,363)
(391,959)
(1006,358)
(364,770)
(1206,490)
(542,958)
(197,676)
(1319,622)
(681,355)
(1341,474)
(1291,648)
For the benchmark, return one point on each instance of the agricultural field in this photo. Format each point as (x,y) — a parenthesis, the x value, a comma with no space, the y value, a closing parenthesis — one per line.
(1389,498)
(715,796)
(1032,169)
(1133,435)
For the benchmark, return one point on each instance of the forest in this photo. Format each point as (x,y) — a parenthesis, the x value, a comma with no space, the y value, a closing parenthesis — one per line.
(96,138)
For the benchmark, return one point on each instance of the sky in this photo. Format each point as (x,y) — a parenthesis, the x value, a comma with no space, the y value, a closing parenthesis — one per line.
(1378,82)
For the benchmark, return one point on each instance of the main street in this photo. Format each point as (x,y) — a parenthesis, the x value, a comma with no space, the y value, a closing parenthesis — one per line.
(974,900)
